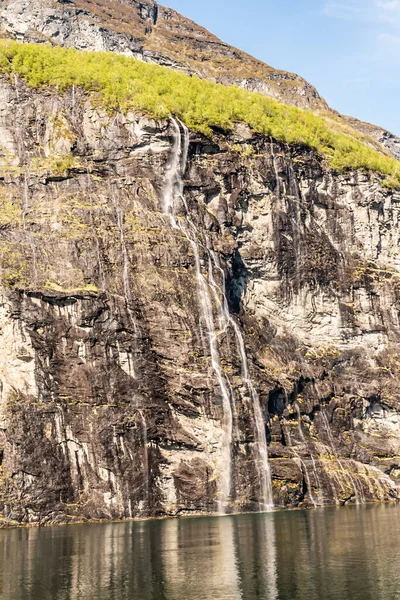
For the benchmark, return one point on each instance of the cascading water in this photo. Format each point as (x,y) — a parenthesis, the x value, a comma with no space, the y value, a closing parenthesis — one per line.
(293,186)
(357,482)
(173,174)
(317,479)
(294,209)
(344,479)
(125,270)
(86,187)
(25,211)
(25,202)
(173,189)
(303,464)
(304,470)
(262,463)
(206,308)
(145,455)
(278,181)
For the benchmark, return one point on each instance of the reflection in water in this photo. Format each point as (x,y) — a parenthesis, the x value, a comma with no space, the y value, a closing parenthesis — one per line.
(200,555)
(332,554)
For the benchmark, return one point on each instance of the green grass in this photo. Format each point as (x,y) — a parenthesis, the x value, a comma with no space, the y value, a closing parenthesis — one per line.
(119,82)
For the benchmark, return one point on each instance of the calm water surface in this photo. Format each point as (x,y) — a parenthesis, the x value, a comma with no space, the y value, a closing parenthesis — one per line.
(328,554)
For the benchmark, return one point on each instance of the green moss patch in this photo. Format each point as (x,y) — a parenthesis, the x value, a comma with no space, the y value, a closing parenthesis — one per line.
(121,83)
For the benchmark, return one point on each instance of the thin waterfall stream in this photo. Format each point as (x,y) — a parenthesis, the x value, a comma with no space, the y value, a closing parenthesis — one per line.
(174,188)
(262,463)
(345,475)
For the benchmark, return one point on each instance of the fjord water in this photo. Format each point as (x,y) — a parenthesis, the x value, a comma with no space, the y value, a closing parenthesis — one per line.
(328,554)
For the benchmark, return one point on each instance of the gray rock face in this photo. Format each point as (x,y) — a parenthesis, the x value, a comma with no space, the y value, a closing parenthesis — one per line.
(153,310)
(63,24)
(306,95)
(391,142)
(387,139)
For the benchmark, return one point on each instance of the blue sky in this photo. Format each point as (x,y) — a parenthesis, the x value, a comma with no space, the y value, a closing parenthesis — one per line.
(348,49)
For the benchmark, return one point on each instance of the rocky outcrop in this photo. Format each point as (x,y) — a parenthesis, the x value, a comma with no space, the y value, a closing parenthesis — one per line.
(63,24)
(387,139)
(163,294)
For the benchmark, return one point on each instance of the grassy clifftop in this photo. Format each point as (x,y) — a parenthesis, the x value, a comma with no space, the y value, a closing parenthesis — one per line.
(119,82)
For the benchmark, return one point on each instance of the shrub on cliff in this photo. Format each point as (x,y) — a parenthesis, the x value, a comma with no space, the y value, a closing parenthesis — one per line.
(119,82)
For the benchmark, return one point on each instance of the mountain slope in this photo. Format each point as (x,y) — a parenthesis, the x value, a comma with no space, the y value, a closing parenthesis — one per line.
(118,82)
(152,33)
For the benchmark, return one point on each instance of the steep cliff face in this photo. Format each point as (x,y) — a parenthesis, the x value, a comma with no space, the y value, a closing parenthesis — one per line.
(176,308)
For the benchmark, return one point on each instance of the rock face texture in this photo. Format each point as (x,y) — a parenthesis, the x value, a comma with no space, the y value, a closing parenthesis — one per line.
(175,308)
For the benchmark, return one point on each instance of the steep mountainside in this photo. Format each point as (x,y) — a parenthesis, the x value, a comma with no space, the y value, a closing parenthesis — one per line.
(192,320)
(171,304)
(154,33)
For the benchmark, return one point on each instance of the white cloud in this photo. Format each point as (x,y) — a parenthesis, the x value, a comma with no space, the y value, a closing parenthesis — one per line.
(353,9)
(377,11)
(381,17)
(389,41)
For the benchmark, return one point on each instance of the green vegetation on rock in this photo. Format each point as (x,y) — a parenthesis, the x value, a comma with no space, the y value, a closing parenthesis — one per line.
(119,82)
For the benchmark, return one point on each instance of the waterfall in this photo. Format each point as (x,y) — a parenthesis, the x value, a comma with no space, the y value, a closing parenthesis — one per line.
(358,483)
(278,181)
(303,464)
(25,202)
(173,189)
(34,261)
(176,167)
(145,454)
(86,185)
(125,270)
(262,463)
(297,246)
(25,211)
(317,479)
(206,309)
(294,211)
